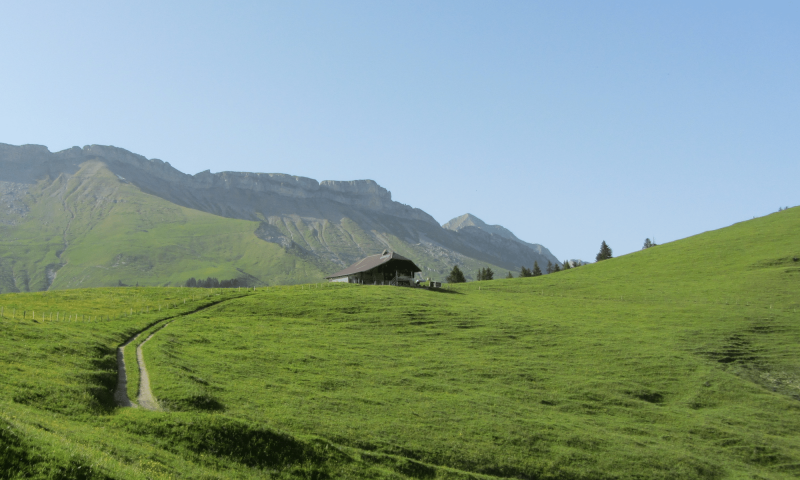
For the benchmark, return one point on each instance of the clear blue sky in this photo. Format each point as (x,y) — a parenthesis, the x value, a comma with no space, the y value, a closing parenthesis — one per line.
(567,122)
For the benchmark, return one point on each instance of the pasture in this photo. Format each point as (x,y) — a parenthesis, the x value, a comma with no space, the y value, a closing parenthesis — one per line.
(680,361)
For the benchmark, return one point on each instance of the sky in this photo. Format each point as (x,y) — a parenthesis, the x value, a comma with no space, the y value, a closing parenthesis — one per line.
(569,123)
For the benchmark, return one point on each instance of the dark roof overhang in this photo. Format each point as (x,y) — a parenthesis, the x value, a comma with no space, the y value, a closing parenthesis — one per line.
(373,261)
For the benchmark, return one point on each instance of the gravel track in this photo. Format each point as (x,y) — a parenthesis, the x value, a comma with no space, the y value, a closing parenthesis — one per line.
(121,394)
(145,398)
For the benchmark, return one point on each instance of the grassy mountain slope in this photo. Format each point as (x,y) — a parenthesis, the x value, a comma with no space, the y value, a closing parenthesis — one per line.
(330,245)
(679,361)
(93,229)
(81,224)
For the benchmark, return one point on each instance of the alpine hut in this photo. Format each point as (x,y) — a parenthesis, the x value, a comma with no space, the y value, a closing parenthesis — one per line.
(387,268)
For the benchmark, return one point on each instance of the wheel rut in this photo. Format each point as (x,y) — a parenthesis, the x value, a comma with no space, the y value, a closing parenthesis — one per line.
(145,398)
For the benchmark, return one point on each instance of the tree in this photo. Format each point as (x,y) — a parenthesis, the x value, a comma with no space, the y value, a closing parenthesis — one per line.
(509,275)
(524,272)
(605,252)
(456,276)
(480,275)
(566,265)
(488,274)
(536,270)
(556,267)
(647,244)
(549,267)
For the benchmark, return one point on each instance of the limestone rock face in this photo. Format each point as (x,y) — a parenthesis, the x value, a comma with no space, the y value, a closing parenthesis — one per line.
(225,188)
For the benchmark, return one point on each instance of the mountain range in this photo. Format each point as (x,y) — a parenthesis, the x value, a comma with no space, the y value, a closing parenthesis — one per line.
(103,216)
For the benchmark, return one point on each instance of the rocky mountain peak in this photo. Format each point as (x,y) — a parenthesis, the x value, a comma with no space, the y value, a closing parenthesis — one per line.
(470,220)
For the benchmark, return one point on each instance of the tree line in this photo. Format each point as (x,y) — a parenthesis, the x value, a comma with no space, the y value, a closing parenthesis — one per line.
(605,253)
(457,276)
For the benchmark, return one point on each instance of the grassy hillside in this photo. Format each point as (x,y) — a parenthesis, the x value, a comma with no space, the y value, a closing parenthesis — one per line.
(93,229)
(680,361)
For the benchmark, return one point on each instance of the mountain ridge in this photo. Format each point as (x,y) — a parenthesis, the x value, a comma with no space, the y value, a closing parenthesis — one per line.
(470,220)
(327,225)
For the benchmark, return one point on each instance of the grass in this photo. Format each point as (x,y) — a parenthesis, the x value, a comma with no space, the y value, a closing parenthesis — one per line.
(680,361)
(92,230)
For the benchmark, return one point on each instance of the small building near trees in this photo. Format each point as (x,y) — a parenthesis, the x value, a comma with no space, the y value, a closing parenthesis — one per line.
(387,268)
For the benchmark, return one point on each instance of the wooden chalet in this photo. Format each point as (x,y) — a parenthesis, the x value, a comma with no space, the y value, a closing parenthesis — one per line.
(387,268)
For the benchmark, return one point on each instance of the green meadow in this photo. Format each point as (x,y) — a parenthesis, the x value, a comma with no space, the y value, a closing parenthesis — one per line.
(677,362)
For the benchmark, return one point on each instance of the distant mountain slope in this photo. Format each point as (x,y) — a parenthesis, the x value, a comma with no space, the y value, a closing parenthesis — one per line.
(470,220)
(470,225)
(73,198)
(90,229)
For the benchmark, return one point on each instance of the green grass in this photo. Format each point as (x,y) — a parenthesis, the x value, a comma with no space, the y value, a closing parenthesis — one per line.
(681,361)
(107,232)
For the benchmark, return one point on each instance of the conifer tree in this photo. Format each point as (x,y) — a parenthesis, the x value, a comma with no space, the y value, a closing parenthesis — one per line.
(456,276)
(480,275)
(566,265)
(524,272)
(647,244)
(488,274)
(536,270)
(605,252)
(509,275)
(556,267)
(549,267)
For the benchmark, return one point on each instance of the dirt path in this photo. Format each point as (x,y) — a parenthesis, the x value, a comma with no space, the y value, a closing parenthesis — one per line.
(145,398)
(121,394)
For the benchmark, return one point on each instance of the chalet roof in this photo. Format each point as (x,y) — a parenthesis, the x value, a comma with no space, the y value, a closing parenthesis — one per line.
(373,261)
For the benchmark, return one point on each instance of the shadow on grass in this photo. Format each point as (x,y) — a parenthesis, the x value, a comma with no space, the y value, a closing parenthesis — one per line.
(19,459)
(201,402)
(443,290)
(248,444)
(98,382)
